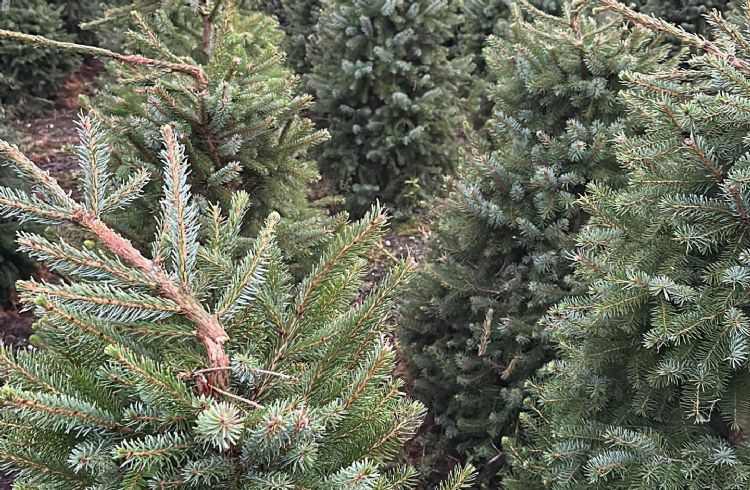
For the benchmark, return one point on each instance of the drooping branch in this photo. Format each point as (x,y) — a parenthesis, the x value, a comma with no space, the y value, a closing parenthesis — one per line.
(677,33)
(118,12)
(132,59)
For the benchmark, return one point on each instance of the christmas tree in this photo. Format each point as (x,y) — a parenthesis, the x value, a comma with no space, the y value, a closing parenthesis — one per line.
(203,367)
(479,20)
(214,73)
(243,119)
(483,18)
(77,13)
(13,265)
(385,87)
(651,387)
(498,260)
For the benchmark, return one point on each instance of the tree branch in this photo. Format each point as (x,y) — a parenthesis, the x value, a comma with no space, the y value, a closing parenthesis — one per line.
(678,33)
(132,59)
(209,331)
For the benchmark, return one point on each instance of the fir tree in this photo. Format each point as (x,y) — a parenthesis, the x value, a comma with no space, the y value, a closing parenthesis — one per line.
(498,260)
(13,265)
(301,18)
(204,367)
(483,18)
(651,390)
(387,91)
(74,13)
(215,74)
(479,20)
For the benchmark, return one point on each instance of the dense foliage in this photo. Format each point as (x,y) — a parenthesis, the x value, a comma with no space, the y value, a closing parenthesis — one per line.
(235,108)
(480,19)
(299,20)
(500,240)
(204,367)
(29,75)
(74,13)
(387,92)
(651,388)
(206,319)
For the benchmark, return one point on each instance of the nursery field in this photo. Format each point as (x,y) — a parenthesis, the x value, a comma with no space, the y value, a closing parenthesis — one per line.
(374,244)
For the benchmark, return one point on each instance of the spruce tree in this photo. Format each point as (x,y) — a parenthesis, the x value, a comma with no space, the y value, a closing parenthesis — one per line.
(13,265)
(205,366)
(500,240)
(245,125)
(301,18)
(651,390)
(76,13)
(386,89)
(214,73)
(480,19)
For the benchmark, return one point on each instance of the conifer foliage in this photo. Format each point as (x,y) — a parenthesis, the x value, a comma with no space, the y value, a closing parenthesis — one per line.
(13,265)
(220,79)
(301,17)
(386,89)
(651,389)
(470,328)
(199,368)
(481,18)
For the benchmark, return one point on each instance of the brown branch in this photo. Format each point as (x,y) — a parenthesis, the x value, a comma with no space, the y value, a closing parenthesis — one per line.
(131,59)
(208,30)
(678,33)
(705,161)
(237,397)
(738,202)
(115,13)
(209,331)
(486,331)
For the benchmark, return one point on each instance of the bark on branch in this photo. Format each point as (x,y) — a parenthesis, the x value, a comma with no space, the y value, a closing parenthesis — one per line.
(209,330)
(132,59)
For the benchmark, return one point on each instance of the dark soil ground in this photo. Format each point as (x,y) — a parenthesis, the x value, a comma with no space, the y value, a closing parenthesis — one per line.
(47,140)
(43,139)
